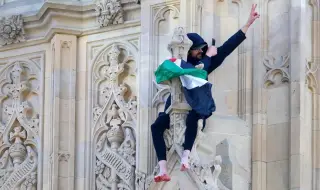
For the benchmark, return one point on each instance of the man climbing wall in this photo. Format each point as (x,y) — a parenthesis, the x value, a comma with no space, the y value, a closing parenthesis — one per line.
(200,56)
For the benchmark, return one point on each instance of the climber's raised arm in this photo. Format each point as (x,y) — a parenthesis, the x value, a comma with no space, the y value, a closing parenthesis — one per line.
(232,43)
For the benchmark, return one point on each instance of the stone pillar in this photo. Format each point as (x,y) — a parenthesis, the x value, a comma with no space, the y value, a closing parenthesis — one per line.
(63,114)
(179,107)
(313,78)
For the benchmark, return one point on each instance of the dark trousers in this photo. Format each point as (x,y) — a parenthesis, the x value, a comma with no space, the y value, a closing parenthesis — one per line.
(163,122)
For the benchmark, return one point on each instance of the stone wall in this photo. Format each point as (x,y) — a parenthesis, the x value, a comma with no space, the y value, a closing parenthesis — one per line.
(78,94)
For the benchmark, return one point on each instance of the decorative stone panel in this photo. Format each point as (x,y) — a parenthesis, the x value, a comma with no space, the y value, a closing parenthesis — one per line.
(20,130)
(114,119)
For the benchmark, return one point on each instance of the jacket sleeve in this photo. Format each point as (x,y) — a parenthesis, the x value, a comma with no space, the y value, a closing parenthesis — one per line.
(226,49)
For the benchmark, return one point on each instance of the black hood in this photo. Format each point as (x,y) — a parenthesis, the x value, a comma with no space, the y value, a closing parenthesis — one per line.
(197,41)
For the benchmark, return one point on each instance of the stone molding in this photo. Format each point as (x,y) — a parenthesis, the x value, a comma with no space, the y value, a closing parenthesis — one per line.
(40,27)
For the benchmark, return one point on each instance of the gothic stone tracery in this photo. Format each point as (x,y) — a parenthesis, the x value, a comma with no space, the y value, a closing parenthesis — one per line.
(19,130)
(114,118)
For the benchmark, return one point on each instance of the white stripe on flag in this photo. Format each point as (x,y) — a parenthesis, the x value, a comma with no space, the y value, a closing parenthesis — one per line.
(189,81)
(178,62)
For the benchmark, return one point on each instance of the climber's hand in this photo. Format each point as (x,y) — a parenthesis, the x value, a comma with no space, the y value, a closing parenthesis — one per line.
(212,51)
(200,66)
(253,15)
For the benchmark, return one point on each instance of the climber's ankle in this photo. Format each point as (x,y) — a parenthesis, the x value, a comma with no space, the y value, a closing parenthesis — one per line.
(185,155)
(163,167)
(185,160)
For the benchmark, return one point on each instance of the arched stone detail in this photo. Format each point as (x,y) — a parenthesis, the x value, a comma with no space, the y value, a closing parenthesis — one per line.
(114,116)
(19,130)
(311,79)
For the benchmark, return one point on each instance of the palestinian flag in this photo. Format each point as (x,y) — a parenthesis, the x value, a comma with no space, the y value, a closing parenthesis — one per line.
(196,88)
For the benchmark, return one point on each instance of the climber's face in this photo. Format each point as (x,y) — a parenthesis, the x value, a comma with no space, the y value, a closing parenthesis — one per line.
(196,53)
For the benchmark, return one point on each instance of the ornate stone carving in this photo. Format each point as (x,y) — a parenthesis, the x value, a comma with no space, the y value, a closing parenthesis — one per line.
(276,67)
(127,148)
(168,137)
(162,94)
(179,46)
(17,151)
(194,156)
(62,156)
(178,35)
(207,173)
(30,181)
(109,12)
(179,119)
(20,126)
(114,118)
(312,67)
(141,181)
(11,30)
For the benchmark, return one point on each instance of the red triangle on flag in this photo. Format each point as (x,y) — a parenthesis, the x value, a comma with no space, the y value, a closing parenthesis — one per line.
(173,59)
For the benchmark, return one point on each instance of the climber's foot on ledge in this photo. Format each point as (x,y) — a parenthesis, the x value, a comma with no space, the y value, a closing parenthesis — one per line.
(185,160)
(184,167)
(161,178)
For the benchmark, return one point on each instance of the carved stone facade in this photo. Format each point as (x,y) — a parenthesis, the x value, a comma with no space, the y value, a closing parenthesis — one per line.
(109,12)
(78,95)
(11,30)
(20,129)
(114,118)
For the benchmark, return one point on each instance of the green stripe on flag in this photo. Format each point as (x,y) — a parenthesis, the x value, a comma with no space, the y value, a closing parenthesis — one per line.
(168,70)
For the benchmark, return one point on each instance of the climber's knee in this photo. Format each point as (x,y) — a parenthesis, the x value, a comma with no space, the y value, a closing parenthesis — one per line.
(192,118)
(161,123)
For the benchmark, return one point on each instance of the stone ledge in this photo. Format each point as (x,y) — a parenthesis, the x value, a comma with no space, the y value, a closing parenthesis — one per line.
(70,18)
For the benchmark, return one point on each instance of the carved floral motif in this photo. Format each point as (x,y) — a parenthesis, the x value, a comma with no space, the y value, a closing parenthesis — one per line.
(276,66)
(20,126)
(62,156)
(109,12)
(312,67)
(11,30)
(114,118)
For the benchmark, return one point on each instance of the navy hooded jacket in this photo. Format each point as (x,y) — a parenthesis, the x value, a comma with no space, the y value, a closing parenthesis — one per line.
(210,63)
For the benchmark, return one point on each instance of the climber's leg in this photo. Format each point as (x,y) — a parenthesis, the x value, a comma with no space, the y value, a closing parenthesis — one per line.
(191,129)
(190,136)
(157,129)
